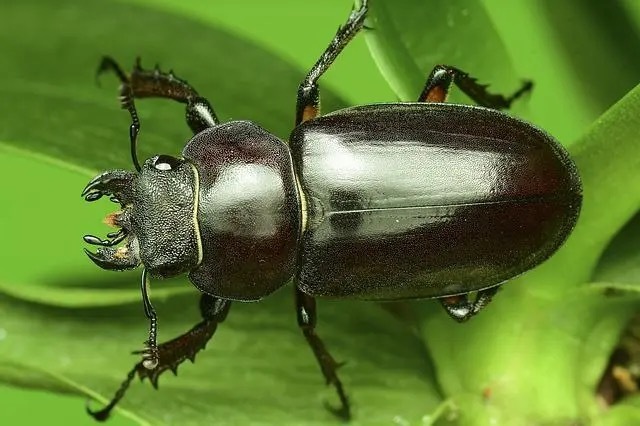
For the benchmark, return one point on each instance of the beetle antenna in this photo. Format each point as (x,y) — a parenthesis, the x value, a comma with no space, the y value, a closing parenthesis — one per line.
(126,100)
(150,357)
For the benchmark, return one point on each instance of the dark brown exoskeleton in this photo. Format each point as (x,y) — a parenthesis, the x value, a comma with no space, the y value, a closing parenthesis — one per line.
(376,202)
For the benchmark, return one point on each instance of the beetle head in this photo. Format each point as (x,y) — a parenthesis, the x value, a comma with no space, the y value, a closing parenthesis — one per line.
(157,221)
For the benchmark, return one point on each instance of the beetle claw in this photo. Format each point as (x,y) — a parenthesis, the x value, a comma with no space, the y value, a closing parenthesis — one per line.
(99,415)
(343,412)
(114,239)
(118,184)
(118,259)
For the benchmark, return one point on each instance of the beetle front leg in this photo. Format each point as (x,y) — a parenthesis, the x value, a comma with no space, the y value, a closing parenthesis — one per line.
(308,101)
(460,308)
(141,83)
(306,313)
(439,83)
(174,352)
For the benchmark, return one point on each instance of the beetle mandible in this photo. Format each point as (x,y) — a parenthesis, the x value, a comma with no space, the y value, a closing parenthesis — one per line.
(378,202)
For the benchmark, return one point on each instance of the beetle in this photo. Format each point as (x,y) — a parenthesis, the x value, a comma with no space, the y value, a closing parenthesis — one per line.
(377,202)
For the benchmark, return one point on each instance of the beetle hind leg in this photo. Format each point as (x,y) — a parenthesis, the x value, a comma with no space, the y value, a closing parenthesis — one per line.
(443,76)
(306,313)
(173,352)
(460,308)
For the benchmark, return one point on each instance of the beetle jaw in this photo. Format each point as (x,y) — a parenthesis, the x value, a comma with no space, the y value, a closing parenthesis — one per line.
(118,186)
(117,258)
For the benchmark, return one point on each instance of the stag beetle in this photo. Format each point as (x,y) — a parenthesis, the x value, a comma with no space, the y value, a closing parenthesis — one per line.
(378,202)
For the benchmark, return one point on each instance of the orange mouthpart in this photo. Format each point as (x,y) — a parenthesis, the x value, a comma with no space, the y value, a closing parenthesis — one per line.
(112,219)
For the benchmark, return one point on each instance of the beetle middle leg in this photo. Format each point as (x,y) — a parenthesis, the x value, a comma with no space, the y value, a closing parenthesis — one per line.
(306,314)
(174,352)
(461,308)
(439,83)
(141,83)
(307,108)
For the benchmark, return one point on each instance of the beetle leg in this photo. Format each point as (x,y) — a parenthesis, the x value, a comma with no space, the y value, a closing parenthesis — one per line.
(306,313)
(126,101)
(142,83)
(150,353)
(439,83)
(308,100)
(461,308)
(174,352)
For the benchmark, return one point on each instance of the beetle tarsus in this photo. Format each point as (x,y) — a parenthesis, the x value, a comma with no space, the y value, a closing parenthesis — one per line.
(107,63)
(126,101)
(344,411)
(329,367)
(461,309)
(103,414)
(155,83)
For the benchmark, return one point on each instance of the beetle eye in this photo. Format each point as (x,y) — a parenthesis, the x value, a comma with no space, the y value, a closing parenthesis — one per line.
(166,162)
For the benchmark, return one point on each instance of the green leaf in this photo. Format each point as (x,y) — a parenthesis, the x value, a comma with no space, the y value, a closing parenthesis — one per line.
(620,263)
(570,49)
(408,38)
(608,158)
(257,368)
(625,413)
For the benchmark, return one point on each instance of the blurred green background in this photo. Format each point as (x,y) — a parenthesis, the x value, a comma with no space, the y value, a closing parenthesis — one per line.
(582,55)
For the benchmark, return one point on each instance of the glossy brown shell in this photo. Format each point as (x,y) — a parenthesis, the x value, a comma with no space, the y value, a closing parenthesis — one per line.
(427,199)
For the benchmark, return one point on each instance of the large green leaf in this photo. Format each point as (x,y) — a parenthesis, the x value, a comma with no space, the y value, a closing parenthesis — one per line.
(577,53)
(620,263)
(256,370)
